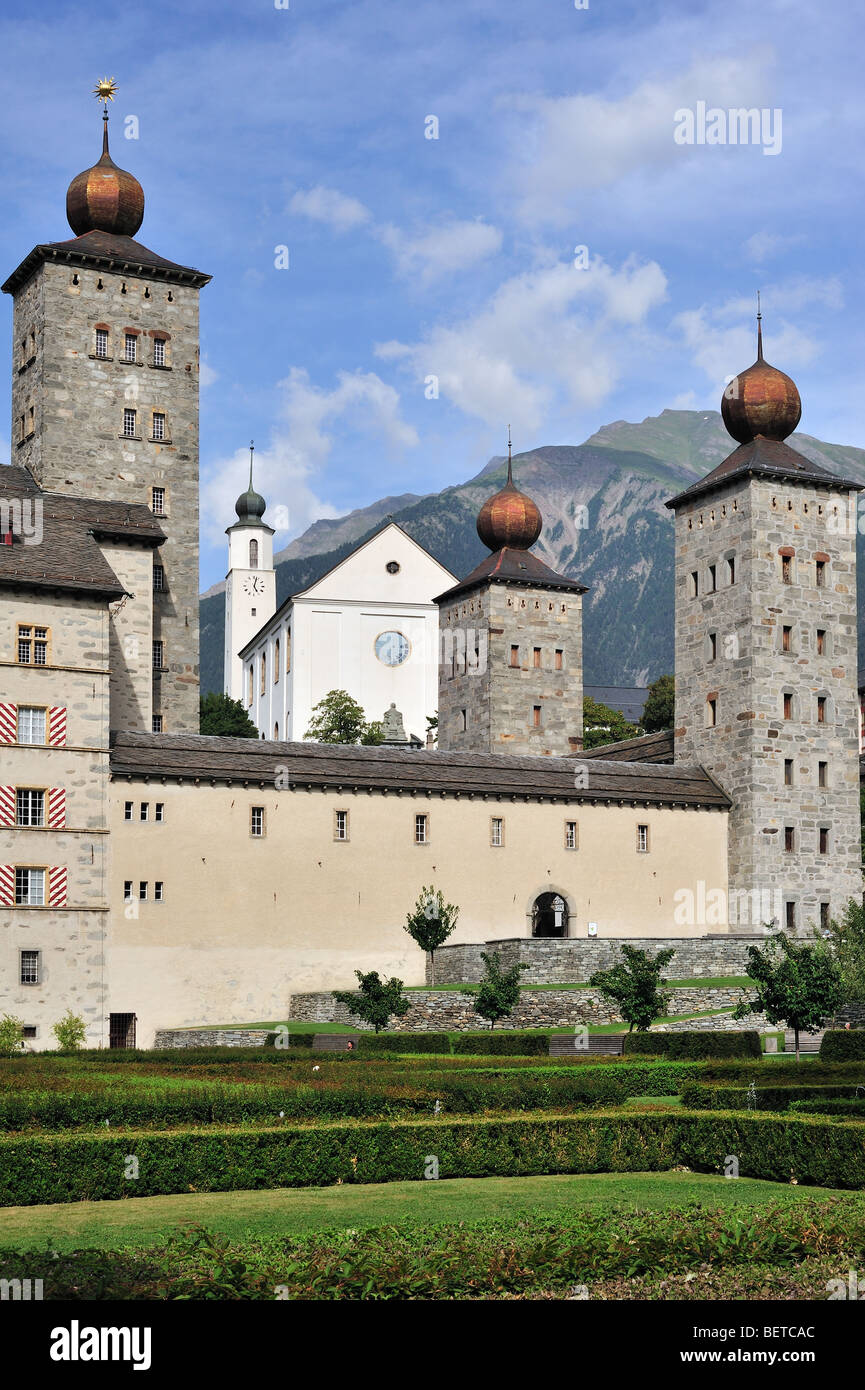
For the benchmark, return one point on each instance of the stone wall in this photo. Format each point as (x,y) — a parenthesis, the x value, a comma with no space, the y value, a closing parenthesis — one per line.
(210,1037)
(573,961)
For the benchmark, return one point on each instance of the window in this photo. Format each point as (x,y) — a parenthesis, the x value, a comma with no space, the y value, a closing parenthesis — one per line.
(30,967)
(340,825)
(421,830)
(515,656)
(288,650)
(29,806)
(158,424)
(249,686)
(159,352)
(821,574)
(790,916)
(102,342)
(159,812)
(28,1030)
(127,810)
(158,654)
(571,839)
(145,810)
(786,635)
(788,706)
(713,646)
(157,501)
(821,709)
(559,661)
(276,732)
(822,774)
(253,555)
(711,713)
(464,720)
(276,662)
(263,672)
(821,641)
(130,347)
(789,839)
(695,584)
(788,772)
(127,890)
(786,569)
(158,891)
(256,821)
(32,645)
(156,724)
(731,569)
(30,887)
(536,657)
(142,892)
(823,840)
(713,579)
(642,839)
(824,916)
(129,423)
(497,831)
(31,724)
(536,716)
(158,579)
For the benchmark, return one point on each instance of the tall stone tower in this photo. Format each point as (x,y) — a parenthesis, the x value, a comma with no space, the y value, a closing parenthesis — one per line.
(766,655)
(105,397)
(511,635)
(250,585)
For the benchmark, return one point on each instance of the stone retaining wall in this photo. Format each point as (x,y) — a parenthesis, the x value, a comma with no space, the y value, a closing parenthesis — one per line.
(573,960)
(210,1037)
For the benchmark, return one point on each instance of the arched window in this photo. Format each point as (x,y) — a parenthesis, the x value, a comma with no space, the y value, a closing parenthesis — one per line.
(249,686)
(263,671)
(276,732)
(276,662)
(253,555)
(288,649)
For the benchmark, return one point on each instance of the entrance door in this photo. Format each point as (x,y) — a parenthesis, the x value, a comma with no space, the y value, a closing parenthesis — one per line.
(121,1030)
(550,915)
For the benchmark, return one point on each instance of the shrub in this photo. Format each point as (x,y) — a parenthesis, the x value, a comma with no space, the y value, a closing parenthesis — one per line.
(10,1035)
(503,1044)
(694,1043)
(405,1042)
(850,1108)
(70,1032)
(283,1039)
(698,1096)
(843,1045)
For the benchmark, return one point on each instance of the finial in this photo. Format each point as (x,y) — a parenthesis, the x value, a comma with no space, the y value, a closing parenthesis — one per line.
(510,471)
(104,92)
(759,330)
(251,452)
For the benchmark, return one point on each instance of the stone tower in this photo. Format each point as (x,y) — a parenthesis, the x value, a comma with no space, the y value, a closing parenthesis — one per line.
(511,635)
(250,585)
(766,656)
(105,398)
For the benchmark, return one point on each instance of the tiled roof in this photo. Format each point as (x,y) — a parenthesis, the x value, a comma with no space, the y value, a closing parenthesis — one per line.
(192,757)
(119,253)
(648,748)
(767,458)
(67,555)
(512,566)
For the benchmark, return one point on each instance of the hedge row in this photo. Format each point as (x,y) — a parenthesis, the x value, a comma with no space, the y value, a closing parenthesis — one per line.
(850,1108)
(695,1043)
(699,1096)
(68,1167)
(843,1045)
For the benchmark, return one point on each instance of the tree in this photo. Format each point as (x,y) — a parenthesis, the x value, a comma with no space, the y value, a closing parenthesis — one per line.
(633,985)
(431,923)
(220,715)
(498,991)
(659,709)
(337,718)
(846,940)
(604,725)
(377,1001)
(70,1031)
(11,1040)
(797,984)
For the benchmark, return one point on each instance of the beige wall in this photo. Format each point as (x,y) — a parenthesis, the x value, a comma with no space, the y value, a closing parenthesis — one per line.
(246,922)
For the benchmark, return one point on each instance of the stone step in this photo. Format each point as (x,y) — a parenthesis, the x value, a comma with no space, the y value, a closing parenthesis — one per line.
(335,1042)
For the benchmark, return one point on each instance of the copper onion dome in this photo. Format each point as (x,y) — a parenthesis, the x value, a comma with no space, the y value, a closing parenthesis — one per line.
(761,400)
(509,517)
(105,198)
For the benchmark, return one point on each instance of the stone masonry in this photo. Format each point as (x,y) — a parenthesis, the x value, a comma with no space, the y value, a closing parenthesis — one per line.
(574,960)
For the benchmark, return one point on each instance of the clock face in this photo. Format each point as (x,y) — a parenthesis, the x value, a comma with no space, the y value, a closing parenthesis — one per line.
(392,648)
(253,586)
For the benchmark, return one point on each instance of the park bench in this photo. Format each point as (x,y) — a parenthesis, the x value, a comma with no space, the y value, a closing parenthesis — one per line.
(335,1042)
(607,1044)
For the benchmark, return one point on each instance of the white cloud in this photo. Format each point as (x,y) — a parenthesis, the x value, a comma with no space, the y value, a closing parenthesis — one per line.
(764,245)
(330,206)
(207,375)
(452,246)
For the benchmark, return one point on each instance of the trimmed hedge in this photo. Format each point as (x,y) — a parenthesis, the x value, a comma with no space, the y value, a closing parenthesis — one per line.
(405,1042)
(843,1045)
(699,1096)
(503,1044)
(694,1044)
(71,1167)
(849,1108)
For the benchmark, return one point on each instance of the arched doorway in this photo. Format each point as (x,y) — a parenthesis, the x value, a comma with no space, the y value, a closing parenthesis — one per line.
(550,915)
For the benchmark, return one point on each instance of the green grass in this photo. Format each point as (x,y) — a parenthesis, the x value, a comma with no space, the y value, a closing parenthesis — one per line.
(295,1027)
(715,982)
(112,1225)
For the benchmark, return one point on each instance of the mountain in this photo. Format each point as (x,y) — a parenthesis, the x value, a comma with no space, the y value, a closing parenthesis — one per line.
(604,523)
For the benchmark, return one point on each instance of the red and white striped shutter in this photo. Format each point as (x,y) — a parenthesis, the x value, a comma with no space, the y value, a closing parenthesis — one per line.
(56,807)
(57,726)
(7,885)
(57,887)
(7,805)
(8,723)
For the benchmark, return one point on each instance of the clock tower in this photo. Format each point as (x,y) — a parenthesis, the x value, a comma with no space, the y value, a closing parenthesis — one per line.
(250,585)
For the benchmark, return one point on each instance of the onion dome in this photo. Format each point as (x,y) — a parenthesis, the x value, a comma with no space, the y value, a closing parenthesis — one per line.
(250,505)
(105,198)
(509,518)
(761,400)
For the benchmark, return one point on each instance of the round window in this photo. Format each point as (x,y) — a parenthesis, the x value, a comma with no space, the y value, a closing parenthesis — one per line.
(392,648)
(392,567)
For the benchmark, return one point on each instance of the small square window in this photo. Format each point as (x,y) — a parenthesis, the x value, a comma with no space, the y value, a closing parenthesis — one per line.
(159,811)
(127,890)
(127,810)
(145,810)
(142,892)
(156,724)
(158,891)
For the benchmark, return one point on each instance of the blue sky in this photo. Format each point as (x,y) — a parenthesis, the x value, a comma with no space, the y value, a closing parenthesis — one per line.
(455,257)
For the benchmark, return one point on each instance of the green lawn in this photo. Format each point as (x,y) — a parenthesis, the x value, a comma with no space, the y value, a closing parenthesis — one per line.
(294,1027)
(297,1211)
(716,982)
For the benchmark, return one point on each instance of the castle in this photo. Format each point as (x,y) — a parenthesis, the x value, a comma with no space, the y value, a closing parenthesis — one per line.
(150,877)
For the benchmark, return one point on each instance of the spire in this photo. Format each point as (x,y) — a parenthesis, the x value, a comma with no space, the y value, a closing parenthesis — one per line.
(250,505)
(510,464)
(759,330)
(105,198)
(251,452)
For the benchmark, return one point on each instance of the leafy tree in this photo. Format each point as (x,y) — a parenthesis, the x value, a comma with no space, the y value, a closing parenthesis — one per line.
(633,985)
(219,714)
(846,940)
(337,718)
(431,923)
(10,1035)
(432,727)
(604,725)
(797,984)
(70,1031)
(377,1001)
(659,709)
(498,991)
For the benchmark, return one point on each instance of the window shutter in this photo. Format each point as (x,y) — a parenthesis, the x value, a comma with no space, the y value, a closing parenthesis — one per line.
(8,723)
(57,887)
(57,726)
(7,885)
(7,805)
(57,808)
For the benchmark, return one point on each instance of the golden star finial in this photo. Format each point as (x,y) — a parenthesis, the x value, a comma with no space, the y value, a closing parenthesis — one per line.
(105,89)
